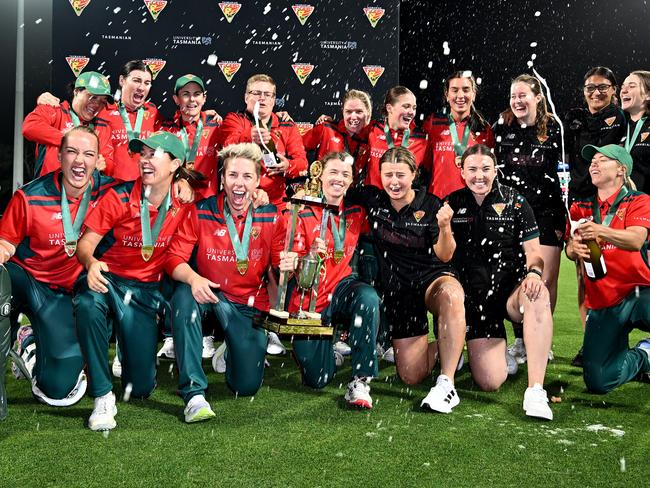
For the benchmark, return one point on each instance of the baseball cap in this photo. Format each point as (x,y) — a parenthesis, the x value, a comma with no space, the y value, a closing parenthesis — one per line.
(96,83)
(164,140)
(188,78)
(612,151)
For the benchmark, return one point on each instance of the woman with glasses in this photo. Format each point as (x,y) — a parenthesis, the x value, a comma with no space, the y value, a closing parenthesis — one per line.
(635,102)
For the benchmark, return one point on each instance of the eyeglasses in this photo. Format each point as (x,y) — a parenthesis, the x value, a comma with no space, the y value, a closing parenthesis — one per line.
(259,94)
(601,88)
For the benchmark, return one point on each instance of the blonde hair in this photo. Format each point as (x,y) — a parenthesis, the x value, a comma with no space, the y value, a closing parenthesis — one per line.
(257,78)
(245,150)
(360,95)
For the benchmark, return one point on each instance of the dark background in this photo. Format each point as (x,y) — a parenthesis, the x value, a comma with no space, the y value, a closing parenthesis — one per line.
(491,38)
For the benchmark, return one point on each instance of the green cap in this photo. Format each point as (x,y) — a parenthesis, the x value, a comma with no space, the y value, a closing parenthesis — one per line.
(612,151)
(161,140)
(95,83)
(188,78)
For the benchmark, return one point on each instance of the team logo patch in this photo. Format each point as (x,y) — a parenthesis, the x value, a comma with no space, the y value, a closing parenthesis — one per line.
(374,14)
(229,10)
(418,215)
(620,213)
(373,72)
(610,120)
(303,12)
(304,127)
(77,63)
(255,232)
(220,232)
(155,65)
(229,69)
(302,70)
(155,7)
(644,136)
(542,139)
(462,211)
(79,5)
(498,208)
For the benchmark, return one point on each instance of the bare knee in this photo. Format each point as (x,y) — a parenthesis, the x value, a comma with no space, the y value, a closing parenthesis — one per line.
(490,382)
(412,376)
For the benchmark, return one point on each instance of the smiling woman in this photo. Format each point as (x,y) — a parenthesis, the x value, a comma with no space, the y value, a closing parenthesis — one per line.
(635,101)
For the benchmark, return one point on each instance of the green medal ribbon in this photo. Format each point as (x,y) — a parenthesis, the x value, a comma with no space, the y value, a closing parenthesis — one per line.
(240,246)
(149,235)
(77,122)
(612,210)
(70,229)
(190,152)
(629,142)
(339,237)
(130,131)
(389,137)
(459,146)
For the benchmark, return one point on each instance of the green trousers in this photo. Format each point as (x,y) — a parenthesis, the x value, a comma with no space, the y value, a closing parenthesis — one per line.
(246,343)
(356,305)
(5,334)
(608,360)
(132,308)
(58,356)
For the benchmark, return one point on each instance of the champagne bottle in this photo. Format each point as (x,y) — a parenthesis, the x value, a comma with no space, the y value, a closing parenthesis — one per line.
(595,265)
(269,152)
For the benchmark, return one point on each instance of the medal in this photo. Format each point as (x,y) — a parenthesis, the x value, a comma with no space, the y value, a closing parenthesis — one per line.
(149,235)
(147,252)
(459,146)
(338,256)
(339,237)
(70,248)
(239,246)
(389,138)
(130,131)
(71,230)
(191,150)
(242,266)
(630,140)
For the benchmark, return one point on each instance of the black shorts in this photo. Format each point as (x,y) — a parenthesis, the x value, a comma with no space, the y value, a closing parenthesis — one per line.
(485,313)
(552,226)
(404,309)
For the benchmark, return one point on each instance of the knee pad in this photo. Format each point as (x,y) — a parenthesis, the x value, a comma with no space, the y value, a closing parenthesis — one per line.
(73,397)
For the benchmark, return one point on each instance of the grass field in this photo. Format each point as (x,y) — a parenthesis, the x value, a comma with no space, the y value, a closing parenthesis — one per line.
(288,435)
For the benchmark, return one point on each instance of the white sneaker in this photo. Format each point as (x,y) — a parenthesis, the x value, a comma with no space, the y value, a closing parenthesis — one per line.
(75,395)
(518,351)
(208,347)
(536,403)
(116,367)
(343,348)
(442,397)
(103,416)
(511,363)
(27,355)
(644,345)
(219,359)
(389,355)
(167,349)
(275,347)
(197,410)
(358,393)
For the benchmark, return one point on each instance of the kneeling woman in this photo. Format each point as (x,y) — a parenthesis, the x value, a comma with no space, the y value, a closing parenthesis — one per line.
(129,231)
(500,264)
(341,298)
(412,232)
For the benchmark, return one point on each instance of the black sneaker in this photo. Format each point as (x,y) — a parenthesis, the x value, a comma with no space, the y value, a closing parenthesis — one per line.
(578,360)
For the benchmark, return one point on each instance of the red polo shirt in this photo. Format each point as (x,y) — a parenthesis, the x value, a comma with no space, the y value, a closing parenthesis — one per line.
(330,136)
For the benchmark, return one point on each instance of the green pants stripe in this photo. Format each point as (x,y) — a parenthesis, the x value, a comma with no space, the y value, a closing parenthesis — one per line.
(608,359)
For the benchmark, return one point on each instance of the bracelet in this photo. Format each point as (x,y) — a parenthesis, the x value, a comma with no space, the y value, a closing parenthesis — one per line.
(534,271)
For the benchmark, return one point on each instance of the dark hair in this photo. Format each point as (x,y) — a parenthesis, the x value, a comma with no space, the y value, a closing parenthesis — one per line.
(480,149)
(398,155)
(644,77)
(135,65)
(476,121)
(606,73)
(542,118)
(79,128)
(193,177)
(341,155)
(392,95)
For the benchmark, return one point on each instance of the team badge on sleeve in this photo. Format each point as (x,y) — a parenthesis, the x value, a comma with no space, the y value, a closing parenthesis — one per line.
(373,73)
(229,69)
(498,208)
(77,63)
(155,65)
(374,14)
(302,70)
(155,7)
(229,10)
(304,127)
(644,136)
(79,6)
(418,215)
(610,120)
(302,12)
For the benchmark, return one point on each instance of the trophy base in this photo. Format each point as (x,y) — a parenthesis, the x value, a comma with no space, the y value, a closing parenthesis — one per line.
(293,326)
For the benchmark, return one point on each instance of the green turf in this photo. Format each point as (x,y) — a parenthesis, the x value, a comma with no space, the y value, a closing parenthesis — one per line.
(291,436)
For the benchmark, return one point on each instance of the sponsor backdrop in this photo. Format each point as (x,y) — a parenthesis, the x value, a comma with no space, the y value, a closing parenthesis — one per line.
(315,51)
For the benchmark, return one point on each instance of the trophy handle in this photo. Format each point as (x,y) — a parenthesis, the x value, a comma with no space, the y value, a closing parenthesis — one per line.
(288,247)
(323,233)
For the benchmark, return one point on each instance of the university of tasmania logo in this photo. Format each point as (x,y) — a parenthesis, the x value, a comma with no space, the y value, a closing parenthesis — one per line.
(374,14)
(229,69)
(303,12)
(229,9)
(79,6)
(77,63)
(155,7)
(302,70)
(373,72)
(155,65)
(304,127)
